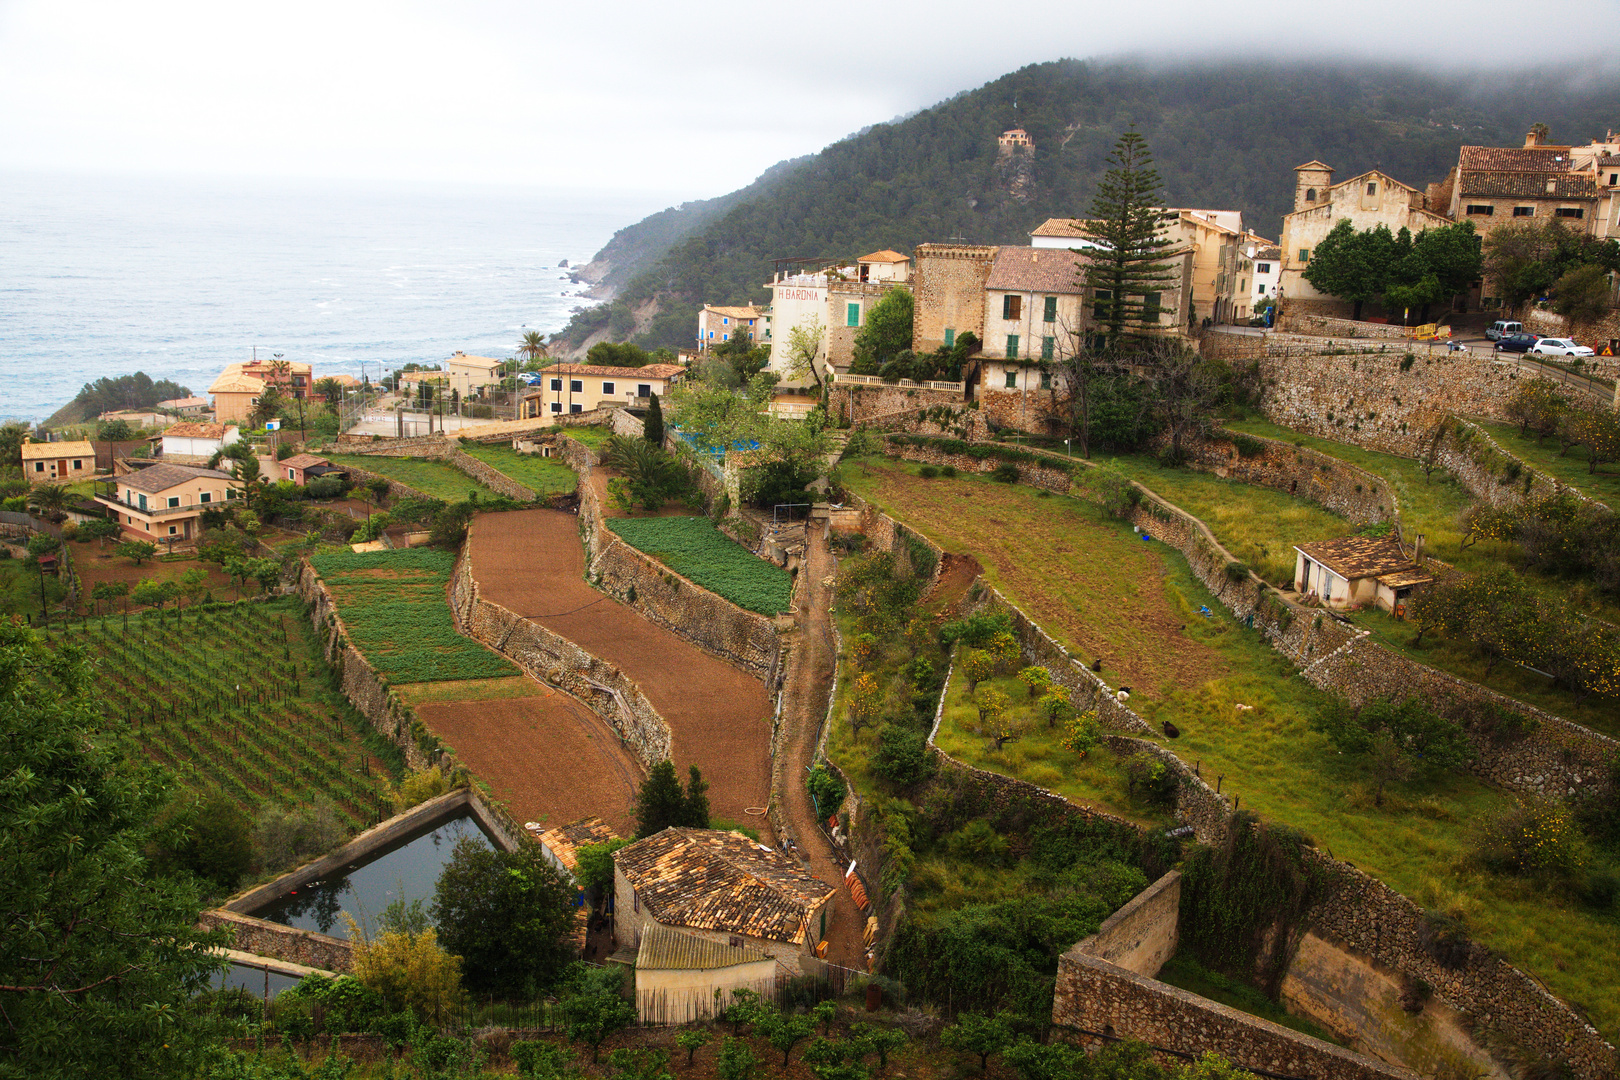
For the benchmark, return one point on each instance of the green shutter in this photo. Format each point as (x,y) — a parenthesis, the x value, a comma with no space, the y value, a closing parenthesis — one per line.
(1012,380)
(1046,380)
(852,314)
(1100,309)
(950,337)
(1050,315)
(1048,347)
(1012,346)
(1150,303)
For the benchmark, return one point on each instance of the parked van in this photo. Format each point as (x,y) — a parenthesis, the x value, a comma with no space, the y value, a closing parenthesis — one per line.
(1501,328)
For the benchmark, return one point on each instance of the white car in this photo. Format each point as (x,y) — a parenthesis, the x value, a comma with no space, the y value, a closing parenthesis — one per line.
(1557,346)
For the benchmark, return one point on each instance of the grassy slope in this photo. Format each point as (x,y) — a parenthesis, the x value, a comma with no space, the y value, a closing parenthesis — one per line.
(1419,842)
(1572,469)
(544,476)
(431,477)
(1434,507)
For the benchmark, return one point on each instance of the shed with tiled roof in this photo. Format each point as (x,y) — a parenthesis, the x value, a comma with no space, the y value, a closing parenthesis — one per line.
(1359,571)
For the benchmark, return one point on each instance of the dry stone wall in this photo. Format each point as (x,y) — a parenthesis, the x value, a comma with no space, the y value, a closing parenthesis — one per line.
(1144,933)
(855,403)
(1354,494)
(1301,322)
(278,942)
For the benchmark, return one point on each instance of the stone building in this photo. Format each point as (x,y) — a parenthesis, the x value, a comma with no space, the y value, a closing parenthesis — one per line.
(720,887)
(1536,183)
(1374,198)
(848,303)
(1358,572)
(948,284)
(47,462)
(718,325)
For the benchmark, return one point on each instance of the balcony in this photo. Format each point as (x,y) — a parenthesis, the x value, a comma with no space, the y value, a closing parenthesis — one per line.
(111,500)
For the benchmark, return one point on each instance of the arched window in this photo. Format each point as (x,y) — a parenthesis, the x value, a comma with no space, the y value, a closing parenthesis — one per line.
(1310,194)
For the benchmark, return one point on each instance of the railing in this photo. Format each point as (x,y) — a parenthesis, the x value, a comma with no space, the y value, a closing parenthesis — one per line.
(157,511)
(905,384)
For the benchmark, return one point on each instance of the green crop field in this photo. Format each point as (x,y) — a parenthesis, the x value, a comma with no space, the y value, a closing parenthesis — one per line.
(542,475)
(1092,583)
(236,697)
(433,478)
(592,435)
(396,609)
(695,549)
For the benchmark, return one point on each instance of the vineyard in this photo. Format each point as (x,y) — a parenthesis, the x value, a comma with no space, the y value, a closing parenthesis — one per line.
(695,549)
(236,697)
(395,606)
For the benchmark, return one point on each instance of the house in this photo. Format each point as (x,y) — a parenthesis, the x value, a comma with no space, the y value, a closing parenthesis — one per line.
(235,396)
(1267,260)
(560,844)
(849,301)
(682,978)
(948,285)
(1357,571)
(1374,198)
(1221,272)
(192,441)
(302,468)
(467,376)
(1016,139)
(186,406)
(798,301)
(576,388)
(136,418)
(1061,233)
(1493,186)
(883,265)
(165,502)
(718,325)
(720,887)
(48,462)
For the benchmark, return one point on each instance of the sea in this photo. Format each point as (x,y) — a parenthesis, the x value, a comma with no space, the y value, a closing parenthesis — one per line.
(108,275)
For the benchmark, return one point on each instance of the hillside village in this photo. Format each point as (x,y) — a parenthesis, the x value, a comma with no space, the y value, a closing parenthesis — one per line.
(1153,651)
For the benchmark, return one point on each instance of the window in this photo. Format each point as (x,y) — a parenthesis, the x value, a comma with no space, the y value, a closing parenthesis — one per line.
(1012,307)
(576,407)
(1476,210)
(174,501)
(1012,380)
(643,389)
(1048,349)
(852,314)
(1304,254)
(1570,212)
(78,463)
(725,322)
(1372,189)
(1524,211)
(556,384)
(1263,268)
(607,388)
(290,475)
(725,337)
(576,386)
(1614,178)
(1100,310)
(172,530)
(230,493)
(556,406)
(1310,194)
(1150,307)
(950,337)
(1050,312)
(1046,380)
(1012,346)
(141,499)
(39,466)
(207,497)
(1261,289)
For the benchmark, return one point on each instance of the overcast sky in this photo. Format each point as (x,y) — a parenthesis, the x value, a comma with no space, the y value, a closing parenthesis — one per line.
(686,99)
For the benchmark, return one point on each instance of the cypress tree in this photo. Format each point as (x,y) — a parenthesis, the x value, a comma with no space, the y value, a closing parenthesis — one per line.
(652,428)
(660,803)
(697,800)
(1129,226)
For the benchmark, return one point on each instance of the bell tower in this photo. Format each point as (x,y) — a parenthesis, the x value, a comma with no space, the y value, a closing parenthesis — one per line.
(1311,183)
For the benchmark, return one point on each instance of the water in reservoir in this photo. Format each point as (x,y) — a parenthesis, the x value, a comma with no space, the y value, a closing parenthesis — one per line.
(406,870)
(253,980)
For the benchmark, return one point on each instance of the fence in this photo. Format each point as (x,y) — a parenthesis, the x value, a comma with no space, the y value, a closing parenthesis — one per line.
(904,384)
(29,521)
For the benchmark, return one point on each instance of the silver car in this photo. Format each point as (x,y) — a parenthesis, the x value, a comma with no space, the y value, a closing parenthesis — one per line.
(1557,346)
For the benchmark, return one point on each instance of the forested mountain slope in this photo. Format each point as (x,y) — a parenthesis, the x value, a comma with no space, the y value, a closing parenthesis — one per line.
(1224,136)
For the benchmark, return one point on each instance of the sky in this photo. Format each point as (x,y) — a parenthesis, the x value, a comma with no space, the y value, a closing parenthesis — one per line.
(689,99)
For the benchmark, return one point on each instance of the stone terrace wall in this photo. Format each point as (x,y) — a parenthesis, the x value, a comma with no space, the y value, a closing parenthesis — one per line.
(856,403)
(1328,327)
(280,942)
(489,476)
(1353,493)
(553,659)
(1095,996)
(441,448)
(396,490)
(1491,474)
(1143,934)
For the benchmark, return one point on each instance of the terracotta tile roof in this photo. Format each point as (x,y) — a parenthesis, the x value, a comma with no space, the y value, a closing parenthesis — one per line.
(653,371)
(1272,252)
(665,949)
(564,841)
(40,451)
(1030,269)
(1356,557)
(234,382)
(747,312)
(303,461)
(1524,185)
(1400,579)
(183,403)
(1067,227)
(195,430)
(884,256)
(163,477)
(711,880)
(1541,159)
(1608,162)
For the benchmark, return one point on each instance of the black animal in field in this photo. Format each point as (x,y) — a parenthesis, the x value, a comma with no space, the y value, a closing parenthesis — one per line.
(1171,731)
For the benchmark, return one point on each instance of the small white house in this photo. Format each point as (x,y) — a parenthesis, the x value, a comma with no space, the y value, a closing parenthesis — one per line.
(682,978)
(197,441)
(1357,572)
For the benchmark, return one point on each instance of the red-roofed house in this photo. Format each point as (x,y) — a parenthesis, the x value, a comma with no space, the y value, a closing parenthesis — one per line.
(576,388)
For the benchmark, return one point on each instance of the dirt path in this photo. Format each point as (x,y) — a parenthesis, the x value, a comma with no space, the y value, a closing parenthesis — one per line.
(532,562)
(808,680)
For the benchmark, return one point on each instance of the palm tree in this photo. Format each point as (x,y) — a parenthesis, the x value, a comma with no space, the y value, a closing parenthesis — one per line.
(48,499)
(533,345)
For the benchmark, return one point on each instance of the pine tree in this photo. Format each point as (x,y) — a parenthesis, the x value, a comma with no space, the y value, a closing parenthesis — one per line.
(1129,268)
(660,802)
(697,800)
(652,428)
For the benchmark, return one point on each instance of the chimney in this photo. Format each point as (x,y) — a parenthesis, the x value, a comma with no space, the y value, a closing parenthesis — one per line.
(1532,139)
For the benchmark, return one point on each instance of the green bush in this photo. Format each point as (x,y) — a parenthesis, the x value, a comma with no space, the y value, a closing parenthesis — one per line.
(948,471)
(928,472)
(827,788)
(1005,473)
(902,755)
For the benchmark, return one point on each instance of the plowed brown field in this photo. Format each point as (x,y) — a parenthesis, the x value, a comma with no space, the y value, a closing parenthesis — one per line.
(532,562)
(547,757)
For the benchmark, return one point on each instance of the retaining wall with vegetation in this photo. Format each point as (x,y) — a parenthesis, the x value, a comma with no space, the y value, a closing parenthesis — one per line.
(1353,493)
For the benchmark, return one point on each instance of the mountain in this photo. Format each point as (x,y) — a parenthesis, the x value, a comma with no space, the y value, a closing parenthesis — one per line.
(1224,136)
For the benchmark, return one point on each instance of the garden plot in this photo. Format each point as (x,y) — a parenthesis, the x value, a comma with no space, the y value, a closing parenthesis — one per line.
(701,553)
(395,607)
(234,697)
(433,478)
(1421,841)
(541,475)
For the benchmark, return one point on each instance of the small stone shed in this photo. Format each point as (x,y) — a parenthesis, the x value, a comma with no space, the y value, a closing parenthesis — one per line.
(561,843)
(721,887)
(682,978)
(1358,571)
(302,468)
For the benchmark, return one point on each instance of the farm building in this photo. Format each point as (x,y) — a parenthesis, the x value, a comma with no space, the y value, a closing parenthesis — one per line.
(302,468)
(1357,571)
(680,976)
(44,463)
(562,843)
(186,406)
(721,887)
(195,441)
